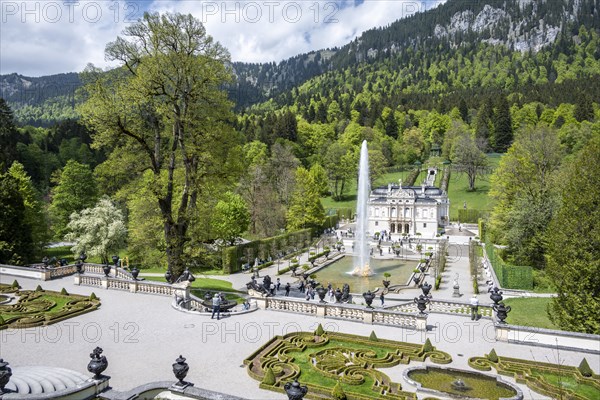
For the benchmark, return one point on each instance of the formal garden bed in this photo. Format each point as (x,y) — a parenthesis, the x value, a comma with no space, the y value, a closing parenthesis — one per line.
(549,379)
(41,307)
(334,365)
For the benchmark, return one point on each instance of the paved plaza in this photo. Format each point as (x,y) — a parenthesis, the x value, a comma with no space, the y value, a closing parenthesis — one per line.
(142,335)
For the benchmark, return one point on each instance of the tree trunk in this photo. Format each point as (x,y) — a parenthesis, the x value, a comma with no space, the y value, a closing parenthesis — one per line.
(175,238)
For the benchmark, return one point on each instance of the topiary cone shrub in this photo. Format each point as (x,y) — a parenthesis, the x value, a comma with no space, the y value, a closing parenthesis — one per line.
(338,393)
(585,369)
(493,357)
(427,347)
(269,378)
(93,296)
(319,332)
(373,337)
(38,288)
(15,284)
(64,292)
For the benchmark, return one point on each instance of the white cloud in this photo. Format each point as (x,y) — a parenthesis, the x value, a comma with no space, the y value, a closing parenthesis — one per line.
(46,37)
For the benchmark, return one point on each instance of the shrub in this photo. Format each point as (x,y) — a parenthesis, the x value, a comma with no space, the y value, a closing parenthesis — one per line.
(319,331)
(1,320)
(386,274)
(15,284)
(38,288)
(493,357)
(373,336)
(438,280)
(338,393)
(585,369)
(64,292)
(93,296)
(427,346)
(269,378)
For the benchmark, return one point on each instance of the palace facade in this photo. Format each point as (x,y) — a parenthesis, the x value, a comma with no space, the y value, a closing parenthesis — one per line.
(399,209)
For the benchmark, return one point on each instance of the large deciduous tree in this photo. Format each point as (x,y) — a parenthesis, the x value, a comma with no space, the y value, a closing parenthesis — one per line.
(574,245)
(9,136)
(15,235)
(468,157)
(75,190)
(306,210)
(97,231)
(165,105)
(231,217)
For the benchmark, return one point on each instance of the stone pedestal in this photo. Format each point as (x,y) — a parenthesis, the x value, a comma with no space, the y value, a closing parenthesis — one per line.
(133,286)
(368,317)
(320,311)
(456,292)
(104,282)
(77,279)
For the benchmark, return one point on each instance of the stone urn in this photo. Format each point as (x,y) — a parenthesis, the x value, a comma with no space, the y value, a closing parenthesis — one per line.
(180,369)
(97,364)
(421,302)
(369,297)
(115,260)
(426,288)
(294,391)
(422,268)
(496,296)
(385,283)
(501,312)
(321,292)
(83,257)
(135,272)
(5,374)
(79,266)
(416,279)
(168,276)
(338,295)
(106,268)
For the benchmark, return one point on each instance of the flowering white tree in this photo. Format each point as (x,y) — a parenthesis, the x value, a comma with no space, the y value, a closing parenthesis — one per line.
(97,231)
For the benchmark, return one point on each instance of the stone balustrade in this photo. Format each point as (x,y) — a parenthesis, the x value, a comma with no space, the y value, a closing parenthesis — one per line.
(348,312)
(443,307)
(148,287)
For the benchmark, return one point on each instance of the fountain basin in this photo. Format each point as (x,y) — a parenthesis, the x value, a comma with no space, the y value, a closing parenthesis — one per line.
(339,272)
(461,384)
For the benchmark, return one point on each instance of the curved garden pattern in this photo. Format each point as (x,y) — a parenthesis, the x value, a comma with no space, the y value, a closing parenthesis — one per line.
(577,383)
(41,307)
(322,360)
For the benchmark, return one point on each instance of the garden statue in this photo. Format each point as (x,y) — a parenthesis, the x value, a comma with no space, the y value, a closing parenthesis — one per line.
(369,298)
(426,287)
(97,364)
(5,374)
(496,296)
(501,312)
(421,302)
(79,266)
(294,391)
(180,369)
(456,287)
(346,297)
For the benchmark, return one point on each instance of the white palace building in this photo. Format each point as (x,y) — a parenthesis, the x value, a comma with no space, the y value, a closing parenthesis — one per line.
(399,209)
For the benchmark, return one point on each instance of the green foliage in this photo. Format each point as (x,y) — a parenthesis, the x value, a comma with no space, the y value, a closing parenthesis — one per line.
(427,346)
(269,378)
(231,217)
(305,210)
(492,356)
(15,236)
(75,190)
(93,296)
(15,285)
(97,231)
(469,158)
(38,288)
(470,215)
(574,244)
(585,369)
(319,331)
(184,122)
(510,276)
(64,292)
(373,337)
(233,257)
(338,393)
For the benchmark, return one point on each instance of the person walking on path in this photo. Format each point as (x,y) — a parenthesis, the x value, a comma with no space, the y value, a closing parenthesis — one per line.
(474,308)
(216,303)
(287,289)
(382,298)
(278,284)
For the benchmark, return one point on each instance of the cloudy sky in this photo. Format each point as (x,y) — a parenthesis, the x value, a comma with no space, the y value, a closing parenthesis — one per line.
(48,37)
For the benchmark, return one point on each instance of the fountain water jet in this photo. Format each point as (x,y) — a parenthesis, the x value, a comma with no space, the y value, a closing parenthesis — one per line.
(361,248)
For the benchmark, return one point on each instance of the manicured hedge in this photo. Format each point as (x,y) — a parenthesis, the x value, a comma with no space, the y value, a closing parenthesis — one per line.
(471,216)
(412,177)
(445,180)
(233,257)
(509,276)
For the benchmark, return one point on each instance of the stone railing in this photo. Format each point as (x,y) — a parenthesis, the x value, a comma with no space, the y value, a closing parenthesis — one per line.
(38,271)
(63,271)
(347,312)
(553,339)
(444,307)
(148,287)
(98,269)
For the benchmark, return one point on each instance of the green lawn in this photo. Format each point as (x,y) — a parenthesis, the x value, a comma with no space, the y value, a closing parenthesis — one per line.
(202,283)
(458,190)
(567,381)
(529,312)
